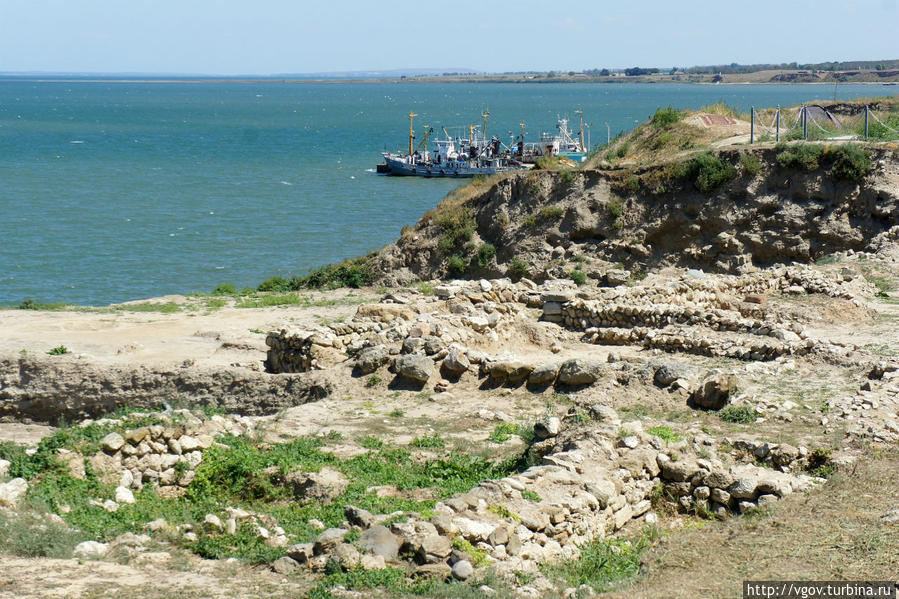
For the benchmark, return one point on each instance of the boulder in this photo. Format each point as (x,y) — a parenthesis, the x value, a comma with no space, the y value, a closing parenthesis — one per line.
(414,367)
(328,541)
(668,373)
(384,312)
(357,516)
(434,548)
(124,495)
(322,486)
(380,541)
(284,565)
(581,372)
(112,442)
(462,570)
(714,391)
(90,550)
(549,427)
(544,374)
(372,358)
(456,362)
(677,470)
(12,491)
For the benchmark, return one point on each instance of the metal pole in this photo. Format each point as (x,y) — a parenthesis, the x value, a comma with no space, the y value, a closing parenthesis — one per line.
(752,125)
(804,123)
(608,134)
(777,137)
(866,122)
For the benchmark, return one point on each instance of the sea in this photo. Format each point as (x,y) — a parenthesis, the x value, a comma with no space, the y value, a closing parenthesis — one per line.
(113,191)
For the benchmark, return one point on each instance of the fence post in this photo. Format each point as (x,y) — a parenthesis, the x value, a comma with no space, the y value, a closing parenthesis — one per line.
(751,125)
(777,118)
(804,123)
(866,122)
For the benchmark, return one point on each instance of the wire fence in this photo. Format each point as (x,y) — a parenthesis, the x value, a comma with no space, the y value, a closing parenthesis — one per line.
(865,125)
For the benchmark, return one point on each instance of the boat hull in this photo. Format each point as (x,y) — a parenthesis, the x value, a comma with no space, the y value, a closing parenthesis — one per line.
(438,171)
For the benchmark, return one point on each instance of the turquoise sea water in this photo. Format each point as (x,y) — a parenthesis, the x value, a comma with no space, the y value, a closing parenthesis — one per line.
(118,191)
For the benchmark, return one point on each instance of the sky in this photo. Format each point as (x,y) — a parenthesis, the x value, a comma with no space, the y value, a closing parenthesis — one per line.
(262,37)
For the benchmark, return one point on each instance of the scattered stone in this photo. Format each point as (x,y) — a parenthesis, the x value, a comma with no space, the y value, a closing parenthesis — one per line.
(322,486)
(414,367)
(112,442)
(372,358)
(380,541)
(285,565)
(124,495)
(549,427)
(462,570)
(90,550)
(715,390)
(358,517)
(456,362)
(581,372)
(12,491)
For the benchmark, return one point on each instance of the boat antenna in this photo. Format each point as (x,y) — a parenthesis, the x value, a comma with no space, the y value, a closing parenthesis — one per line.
(522,130)
(412,116)
(485,115)
(580,113)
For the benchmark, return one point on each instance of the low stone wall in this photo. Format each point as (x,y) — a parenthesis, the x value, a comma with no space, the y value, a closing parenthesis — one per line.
(47,388)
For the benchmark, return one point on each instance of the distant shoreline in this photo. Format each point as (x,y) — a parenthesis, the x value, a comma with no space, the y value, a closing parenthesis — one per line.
(426,80)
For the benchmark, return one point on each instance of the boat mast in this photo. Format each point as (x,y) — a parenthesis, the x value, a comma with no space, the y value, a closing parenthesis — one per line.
(485,115)
(412,115)
(580,114)
(522,130)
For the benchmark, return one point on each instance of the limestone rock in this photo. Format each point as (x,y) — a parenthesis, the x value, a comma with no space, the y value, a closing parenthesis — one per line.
(124,495)
(579,371)
(380,541)
(90,550)
(715,390)
(545,374)
(357,516)
(456,362)
(462,570)
(322,486)
(112,442)
(328,541)
(372,358)
(416,368)
(668,373)
(284,565)
(12,491)
(549,427)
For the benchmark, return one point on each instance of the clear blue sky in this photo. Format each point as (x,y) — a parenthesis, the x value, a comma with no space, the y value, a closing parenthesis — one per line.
(299,36)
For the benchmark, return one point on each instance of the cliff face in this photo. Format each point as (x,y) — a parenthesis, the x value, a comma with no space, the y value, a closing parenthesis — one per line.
(653,217)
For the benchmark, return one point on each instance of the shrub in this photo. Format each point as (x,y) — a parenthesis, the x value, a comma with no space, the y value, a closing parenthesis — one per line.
(457,265)
(852,163)
(800,156)
(354,273)
(738,415)
(58,351)
(502,432)
(578,277)
(428,442)
(664,117)
(529,221)
(531,496)
(614,207)
(633,184)
(517,268)
(225,289)
(751,164)
(34,535)
(486,253)
(707,171)
(551,213)
(566,176)
(458,226)
(276,284)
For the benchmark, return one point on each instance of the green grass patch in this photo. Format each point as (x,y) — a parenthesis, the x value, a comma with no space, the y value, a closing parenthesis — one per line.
(518,268)
(29,304)
(58,350)
(603,563)
(803,157)
(665,434)
(738,415)
(456,265)
(434,441)
(751,164)
(851,162)
(531,496)
(503,432)
(551,213)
